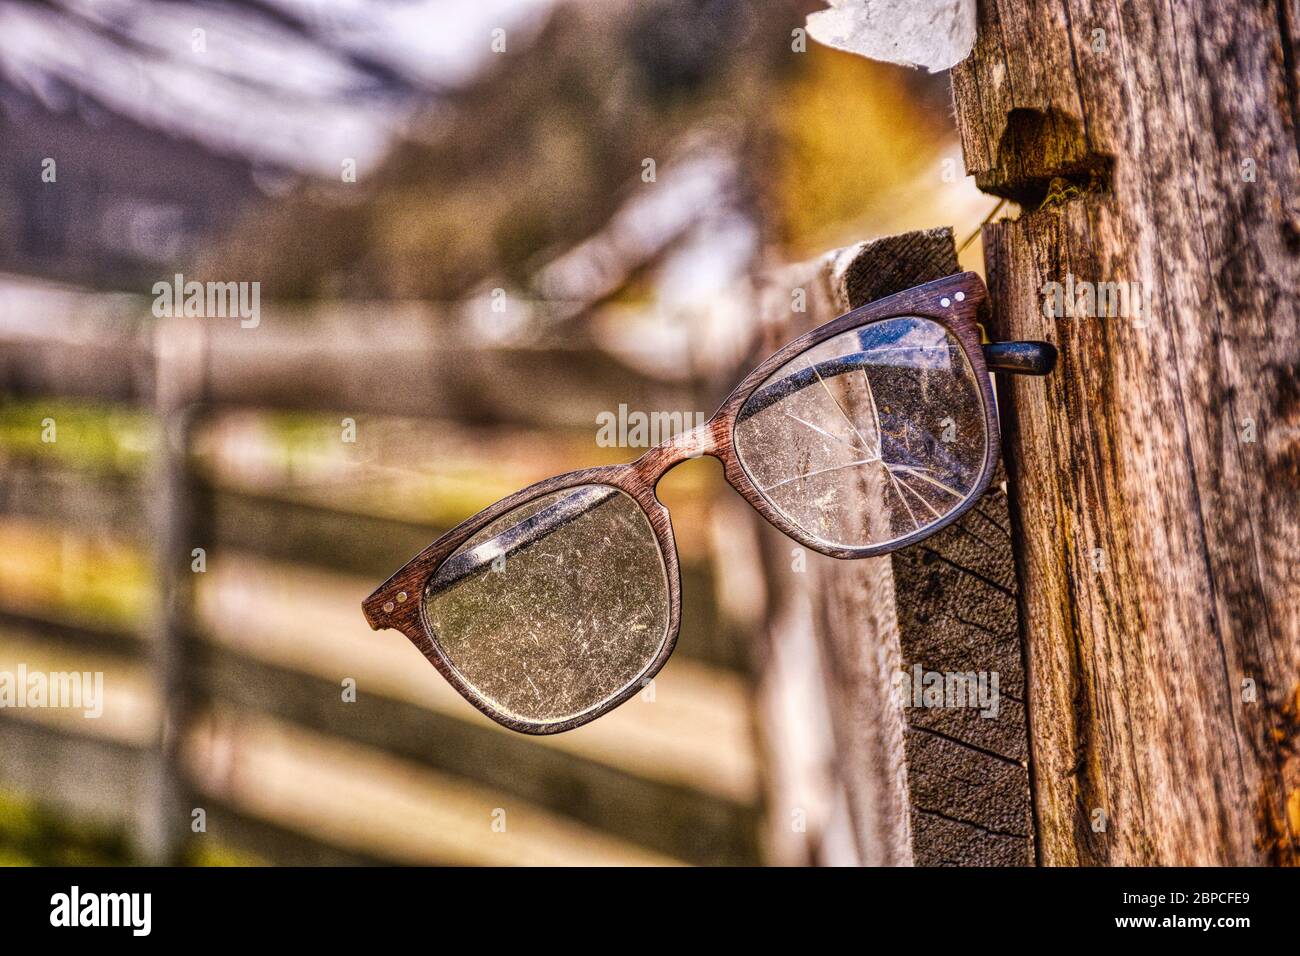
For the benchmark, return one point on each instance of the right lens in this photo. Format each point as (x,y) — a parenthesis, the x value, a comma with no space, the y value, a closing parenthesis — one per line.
(555,607)
(871,436)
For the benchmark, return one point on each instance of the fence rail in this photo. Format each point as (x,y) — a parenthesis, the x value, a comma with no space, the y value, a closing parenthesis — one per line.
(363,358)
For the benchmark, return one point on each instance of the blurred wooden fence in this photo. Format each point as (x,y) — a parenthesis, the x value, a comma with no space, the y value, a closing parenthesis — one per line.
(242,666)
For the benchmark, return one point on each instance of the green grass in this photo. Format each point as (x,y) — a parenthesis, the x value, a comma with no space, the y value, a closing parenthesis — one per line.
(34,836)
(95,437)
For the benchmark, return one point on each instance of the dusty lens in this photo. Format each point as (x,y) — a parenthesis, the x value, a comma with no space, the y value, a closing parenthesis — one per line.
(555,607)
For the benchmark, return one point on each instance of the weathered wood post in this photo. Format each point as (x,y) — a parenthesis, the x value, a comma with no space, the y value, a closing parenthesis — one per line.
(1154,479)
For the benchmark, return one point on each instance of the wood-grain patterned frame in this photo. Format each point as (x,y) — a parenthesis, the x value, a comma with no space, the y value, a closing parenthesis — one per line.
(952,302)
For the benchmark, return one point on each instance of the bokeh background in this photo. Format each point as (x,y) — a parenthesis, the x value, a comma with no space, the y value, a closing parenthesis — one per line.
(217,140)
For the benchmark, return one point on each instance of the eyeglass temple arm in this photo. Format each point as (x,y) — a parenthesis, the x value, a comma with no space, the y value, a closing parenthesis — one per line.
(1015,358)
(1020,358)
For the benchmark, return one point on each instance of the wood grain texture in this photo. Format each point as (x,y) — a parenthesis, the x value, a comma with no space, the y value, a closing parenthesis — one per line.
(920,786)
(1154,476)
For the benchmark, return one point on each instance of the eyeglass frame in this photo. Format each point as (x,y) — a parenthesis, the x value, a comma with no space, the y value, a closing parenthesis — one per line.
(952,302)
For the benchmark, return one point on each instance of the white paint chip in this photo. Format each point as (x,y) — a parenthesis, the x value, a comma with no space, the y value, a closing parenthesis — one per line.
(935,34)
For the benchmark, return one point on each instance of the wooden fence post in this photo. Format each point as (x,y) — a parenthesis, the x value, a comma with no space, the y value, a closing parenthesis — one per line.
(1155,475)
(178,352)
(909,785)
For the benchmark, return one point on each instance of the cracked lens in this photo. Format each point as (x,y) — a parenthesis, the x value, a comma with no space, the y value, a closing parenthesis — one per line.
(554,608)
(868,437)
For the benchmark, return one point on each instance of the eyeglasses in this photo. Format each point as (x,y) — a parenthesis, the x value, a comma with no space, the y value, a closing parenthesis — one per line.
(863,436)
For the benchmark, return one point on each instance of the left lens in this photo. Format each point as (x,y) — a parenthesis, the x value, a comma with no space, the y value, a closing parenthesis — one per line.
(874,435)
(556,607)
